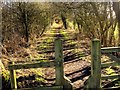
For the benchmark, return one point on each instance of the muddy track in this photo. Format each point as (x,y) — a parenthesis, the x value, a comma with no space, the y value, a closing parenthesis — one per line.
(77,71)
(75,67)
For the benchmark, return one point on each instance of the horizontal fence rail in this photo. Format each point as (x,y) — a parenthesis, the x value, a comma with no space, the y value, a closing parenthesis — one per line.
(110,77)
(43,88)
(104,65)
(110,49)
(32,65)
(113,58)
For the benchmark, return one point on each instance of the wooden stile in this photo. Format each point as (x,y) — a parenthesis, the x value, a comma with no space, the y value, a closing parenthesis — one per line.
(94,81)
(62,82)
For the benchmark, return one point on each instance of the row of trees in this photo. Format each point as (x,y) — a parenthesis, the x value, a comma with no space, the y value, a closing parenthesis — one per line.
(23,21)
(95,20)
(23,18)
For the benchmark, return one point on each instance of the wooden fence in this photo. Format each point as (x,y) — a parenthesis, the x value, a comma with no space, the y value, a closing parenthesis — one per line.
(94,81)
(62,82)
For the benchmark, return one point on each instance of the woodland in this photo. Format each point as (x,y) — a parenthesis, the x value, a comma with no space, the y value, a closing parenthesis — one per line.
(29,29)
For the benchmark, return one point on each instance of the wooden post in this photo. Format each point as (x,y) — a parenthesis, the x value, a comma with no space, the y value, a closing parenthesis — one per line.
(13,77)
(95,64)
(59,62)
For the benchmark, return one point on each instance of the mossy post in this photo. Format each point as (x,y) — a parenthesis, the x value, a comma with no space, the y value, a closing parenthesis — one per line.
(13,77)
(59,62)
(96,64)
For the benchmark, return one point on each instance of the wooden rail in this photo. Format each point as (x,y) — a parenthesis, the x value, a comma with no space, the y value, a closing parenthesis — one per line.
(104,65)
(62,82)
(110,77)
(43,88)
(94,81)
(110,49)
(32,65)
(114,58)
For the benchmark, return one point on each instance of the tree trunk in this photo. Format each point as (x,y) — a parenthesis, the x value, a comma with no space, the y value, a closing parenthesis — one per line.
(26,26)
(104,39)
(64,21)
(116,8)
(26,33)
(111,35)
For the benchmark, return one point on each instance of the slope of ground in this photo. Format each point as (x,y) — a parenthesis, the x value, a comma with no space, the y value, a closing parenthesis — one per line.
(76,67)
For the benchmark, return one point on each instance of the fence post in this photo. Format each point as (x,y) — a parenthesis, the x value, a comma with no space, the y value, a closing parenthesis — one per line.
(59,62)
(13,77)
(95,64)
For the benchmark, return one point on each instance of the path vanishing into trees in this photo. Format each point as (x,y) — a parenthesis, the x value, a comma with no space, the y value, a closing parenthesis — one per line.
(76,68)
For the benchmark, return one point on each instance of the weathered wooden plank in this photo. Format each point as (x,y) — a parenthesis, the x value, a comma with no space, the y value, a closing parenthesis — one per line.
(114,58)
(13,77)
(110,49)
(95,64)
(110,77)
(59,62)
(104,65)
(33,65)
(43,88)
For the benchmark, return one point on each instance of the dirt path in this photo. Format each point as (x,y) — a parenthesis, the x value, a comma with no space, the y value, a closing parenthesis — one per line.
(76,70)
